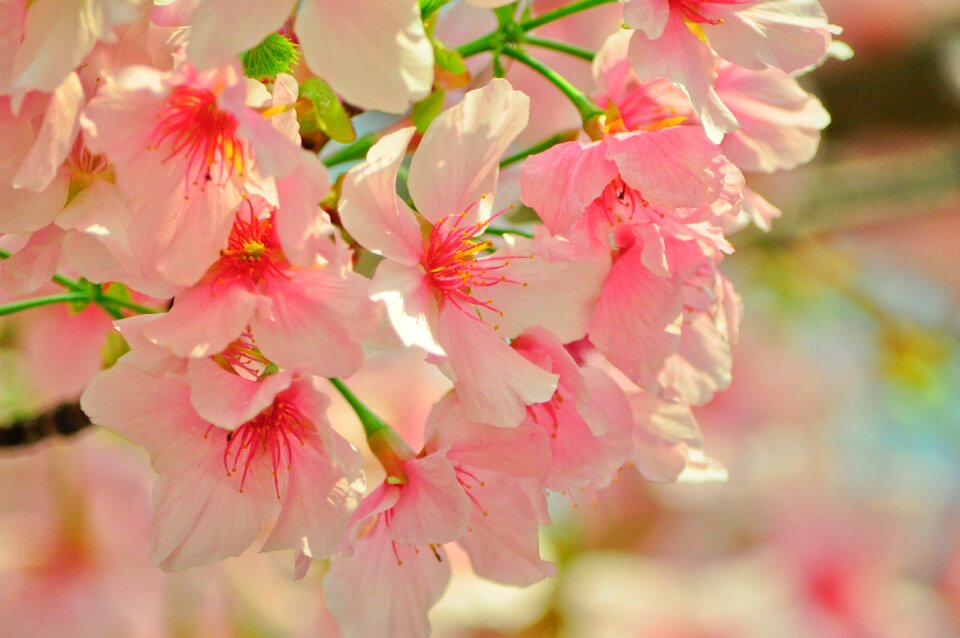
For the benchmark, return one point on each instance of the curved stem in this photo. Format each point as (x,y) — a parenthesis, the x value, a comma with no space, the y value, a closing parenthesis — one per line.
(371,422)
(480,45)
(129,305)
(562,47)
(539,147)
(584,105)
(562,12)
(355,151)
(36,302)
(508,231)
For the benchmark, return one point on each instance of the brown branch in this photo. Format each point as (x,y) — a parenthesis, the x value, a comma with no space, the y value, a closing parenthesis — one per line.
(63,420)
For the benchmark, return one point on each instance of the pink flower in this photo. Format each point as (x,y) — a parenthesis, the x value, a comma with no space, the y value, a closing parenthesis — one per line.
(440,288)
(660,197)
(373,52)
(186,146)
(228,449)
(478,485)
(681,41)
(588,419)
(312,317)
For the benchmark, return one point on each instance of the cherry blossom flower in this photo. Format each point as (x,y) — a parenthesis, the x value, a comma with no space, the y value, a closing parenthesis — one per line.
(187,147)
(433,286)
(228,449)
(681,41)
(312,317)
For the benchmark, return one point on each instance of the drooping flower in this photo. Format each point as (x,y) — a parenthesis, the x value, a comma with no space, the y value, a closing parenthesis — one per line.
(228,449)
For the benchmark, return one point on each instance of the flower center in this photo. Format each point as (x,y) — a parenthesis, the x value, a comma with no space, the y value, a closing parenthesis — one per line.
(195,129)
(690,10)
(546,414)
(271,434)
(253,250)
(456,266)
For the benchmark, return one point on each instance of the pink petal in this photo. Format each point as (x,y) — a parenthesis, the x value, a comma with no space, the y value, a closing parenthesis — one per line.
(637,321)
(682,58)
(649,16)
(410,304)
(201,517)
(783,34)
(494,382)
(780,123)
(228,400)
(502,539)
(558,294)
(457,162)
(55,138)
(561,182)
(404,580)
(316,318)
(432,507)
(33,265)
(370,209)
(204,319)
(151,410)
(373,52)
(319,496)
(677,167)
(303,227)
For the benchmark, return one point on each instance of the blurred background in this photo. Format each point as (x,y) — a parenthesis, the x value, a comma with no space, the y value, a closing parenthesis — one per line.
(841,431)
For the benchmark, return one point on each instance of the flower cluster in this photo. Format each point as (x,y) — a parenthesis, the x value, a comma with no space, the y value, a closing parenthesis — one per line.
(166,157)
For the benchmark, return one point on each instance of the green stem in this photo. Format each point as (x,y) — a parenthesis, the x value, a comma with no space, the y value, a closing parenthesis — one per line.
(355,151)
(562,47)
(507,231)
(129,305)
(371,422)
(539,147)
(562,12)
(480,45)
(584,105)
(36,302)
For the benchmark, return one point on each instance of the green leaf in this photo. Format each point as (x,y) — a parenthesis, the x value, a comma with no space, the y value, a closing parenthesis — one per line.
(448,59)
(327,113)
(426,109)
(276,54)
(429,7)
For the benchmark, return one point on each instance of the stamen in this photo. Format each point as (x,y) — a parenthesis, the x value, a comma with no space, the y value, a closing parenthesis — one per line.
(192,127)
(253,250)
(456,266)
(272,432)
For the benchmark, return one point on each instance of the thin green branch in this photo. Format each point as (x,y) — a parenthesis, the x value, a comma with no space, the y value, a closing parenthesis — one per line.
(539,147)
(508,231)
(562,47)
(36,302)
(371,422)
(480,45)
(584,105)
(562,12)
(355,151)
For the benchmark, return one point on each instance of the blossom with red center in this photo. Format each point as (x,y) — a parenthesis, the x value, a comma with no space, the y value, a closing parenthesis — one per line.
(441,291)
(193,127)
(312,317)
(186,146)
(227,448)
(682,41)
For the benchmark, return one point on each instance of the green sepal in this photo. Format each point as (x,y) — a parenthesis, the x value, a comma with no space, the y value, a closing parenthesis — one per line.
(276,54)
(327,112)
(429,7)
(448,59)
(427,109)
